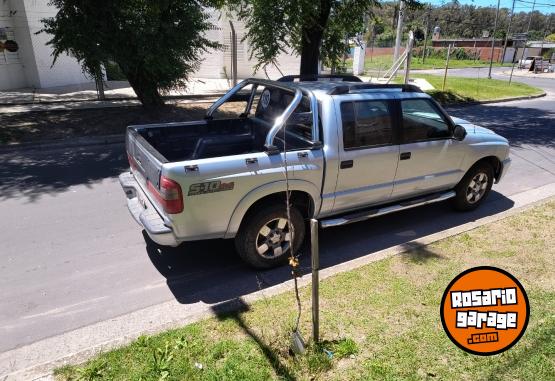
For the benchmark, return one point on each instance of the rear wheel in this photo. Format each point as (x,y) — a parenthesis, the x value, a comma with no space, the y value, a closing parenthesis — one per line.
(474,187)
(264,240)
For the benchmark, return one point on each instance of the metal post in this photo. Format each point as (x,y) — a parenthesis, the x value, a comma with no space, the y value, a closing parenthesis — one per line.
(399,31)
(507,34)
(426,35)
(525,41)
(233,54)
(446,67)
(408,58)
(493,39)
(315,280)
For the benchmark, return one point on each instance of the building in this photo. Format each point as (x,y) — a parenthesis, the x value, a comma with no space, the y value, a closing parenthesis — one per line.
(26,60)
(217,63)
(480,47)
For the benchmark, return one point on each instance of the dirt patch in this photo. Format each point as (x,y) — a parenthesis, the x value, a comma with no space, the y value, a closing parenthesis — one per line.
(66,124)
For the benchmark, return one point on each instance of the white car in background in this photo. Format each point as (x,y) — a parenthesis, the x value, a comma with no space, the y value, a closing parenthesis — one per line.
(527,62)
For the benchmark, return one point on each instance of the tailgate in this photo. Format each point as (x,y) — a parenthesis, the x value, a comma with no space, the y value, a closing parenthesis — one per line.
(146,162)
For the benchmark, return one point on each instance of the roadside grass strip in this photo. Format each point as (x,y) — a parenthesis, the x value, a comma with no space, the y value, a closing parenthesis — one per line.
(378,322)
(463,89)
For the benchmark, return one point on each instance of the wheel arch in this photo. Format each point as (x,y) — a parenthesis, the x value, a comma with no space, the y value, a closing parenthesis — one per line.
(304,194)
(495,163)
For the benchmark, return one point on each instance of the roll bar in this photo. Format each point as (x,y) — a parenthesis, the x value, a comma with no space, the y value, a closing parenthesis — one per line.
(280,120)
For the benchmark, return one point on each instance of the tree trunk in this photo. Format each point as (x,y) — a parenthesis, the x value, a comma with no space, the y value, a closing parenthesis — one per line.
(310,51)
(98,78)
(146,91)
(312,41)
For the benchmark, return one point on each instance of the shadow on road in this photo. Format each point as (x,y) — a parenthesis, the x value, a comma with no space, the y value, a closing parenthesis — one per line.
(33,173)
(211,272)
(518,124)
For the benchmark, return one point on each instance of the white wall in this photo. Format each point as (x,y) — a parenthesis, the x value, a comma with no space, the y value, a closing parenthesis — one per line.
(12,73)
(217,63)
(66,71)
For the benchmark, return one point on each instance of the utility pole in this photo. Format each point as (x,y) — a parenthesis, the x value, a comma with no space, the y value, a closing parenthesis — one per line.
(530,18)
(507,33)
(446,67)
(493,38)
(426,33)
(399,31)
(525,41)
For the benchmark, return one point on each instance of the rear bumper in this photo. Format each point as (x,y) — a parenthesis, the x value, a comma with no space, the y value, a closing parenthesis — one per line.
(505,165)
(145,213)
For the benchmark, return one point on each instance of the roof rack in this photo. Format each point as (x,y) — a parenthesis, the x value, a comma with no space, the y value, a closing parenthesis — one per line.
(316,77)
(346,89)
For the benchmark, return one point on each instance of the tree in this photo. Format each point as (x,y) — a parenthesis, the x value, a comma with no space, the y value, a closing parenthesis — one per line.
(305,26)
(551,37)
(156,43)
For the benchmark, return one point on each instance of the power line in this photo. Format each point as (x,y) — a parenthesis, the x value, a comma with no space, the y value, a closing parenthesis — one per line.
(531,2)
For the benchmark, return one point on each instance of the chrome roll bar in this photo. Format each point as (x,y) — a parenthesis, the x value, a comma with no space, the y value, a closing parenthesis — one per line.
(282,119)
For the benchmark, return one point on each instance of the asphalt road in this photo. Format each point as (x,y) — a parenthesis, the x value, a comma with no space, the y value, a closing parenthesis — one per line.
(70,254)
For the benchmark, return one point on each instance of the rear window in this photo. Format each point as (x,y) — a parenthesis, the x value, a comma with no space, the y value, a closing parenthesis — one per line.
(366,124)
(272,103)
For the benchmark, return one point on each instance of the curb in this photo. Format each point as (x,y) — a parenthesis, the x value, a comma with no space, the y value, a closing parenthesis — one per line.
(53,144)
(502,100)
(38,359)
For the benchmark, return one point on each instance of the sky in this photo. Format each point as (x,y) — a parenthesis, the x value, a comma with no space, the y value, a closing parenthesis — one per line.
(544,6)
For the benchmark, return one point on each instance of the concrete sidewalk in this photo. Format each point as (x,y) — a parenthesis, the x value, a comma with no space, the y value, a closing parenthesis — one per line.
(114,90)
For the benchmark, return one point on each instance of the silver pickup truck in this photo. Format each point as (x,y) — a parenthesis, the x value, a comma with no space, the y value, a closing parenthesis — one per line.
(353,151)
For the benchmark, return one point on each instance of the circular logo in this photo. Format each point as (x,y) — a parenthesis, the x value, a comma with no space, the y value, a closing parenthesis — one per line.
(265,98)
(485,310)
(11,46)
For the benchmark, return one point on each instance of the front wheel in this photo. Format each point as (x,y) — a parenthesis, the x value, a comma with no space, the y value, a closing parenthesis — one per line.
(474,187)
(264,240)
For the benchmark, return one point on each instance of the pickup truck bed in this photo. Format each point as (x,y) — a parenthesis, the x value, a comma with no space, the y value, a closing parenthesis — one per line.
(201,140)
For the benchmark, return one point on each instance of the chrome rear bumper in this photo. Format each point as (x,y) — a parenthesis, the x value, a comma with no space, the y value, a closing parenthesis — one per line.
(145,213)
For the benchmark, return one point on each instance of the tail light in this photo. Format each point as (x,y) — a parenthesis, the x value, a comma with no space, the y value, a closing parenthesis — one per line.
(169,196)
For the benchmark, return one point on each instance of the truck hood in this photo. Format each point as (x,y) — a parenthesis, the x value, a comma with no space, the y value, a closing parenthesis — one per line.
(472,128)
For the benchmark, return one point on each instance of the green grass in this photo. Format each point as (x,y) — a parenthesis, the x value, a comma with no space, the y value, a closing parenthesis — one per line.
(461,89)
(379,322)
(383,63)
(464,89)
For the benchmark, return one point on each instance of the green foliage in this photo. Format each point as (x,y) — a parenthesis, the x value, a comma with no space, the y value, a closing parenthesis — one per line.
(114,72)
(548,53)
(155,43)
(314,29)
(551,37)
(459,21)
(91,372)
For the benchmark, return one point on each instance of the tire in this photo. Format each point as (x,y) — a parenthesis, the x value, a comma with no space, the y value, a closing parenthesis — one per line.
(269,220)
(474,187)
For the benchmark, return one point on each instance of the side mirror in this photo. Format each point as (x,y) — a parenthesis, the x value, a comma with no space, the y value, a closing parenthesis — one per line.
(459,133)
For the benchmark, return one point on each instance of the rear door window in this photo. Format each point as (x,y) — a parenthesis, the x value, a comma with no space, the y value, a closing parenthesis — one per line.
(366,124)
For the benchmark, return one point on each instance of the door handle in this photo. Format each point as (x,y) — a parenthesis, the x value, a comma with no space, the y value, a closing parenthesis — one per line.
(405,156)
(346,164)
(251,160)
(301,155)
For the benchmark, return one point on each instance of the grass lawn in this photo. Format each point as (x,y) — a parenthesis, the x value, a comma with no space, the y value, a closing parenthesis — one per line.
(383,63)
(380,321)
(461,89)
